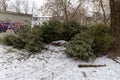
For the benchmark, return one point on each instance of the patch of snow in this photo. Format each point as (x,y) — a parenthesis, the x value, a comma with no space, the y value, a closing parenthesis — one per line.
(53,64)
(60,41)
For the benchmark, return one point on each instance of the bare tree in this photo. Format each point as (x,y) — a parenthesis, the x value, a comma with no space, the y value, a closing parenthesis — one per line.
(4,5)
(104,13)
(26,6)
(63,8)
(58,7)
(102,7)
(34,9)
(17,6)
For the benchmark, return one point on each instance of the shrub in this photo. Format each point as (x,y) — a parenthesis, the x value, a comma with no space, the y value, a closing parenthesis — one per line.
(35,41)
(81,46)
(50,31)
(35,45)
(24,33)
(26,39)
(70,29)
(22,37)
(9,40)
(55,30)
(36,32)
(18,43)
(102,38)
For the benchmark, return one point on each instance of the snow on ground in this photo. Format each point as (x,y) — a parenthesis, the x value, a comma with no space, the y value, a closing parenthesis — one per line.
(52,64)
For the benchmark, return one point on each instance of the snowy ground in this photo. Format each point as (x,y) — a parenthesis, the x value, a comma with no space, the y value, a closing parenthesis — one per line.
(52,64)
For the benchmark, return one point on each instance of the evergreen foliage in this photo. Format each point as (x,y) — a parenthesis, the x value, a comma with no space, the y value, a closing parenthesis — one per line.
(24,34)
(55,30)
(22,37)
(81,46)
(86,45)
(50,31)
(70,29)
(9,40)
(35,43)
(102,38)
(26,39)
(19,43)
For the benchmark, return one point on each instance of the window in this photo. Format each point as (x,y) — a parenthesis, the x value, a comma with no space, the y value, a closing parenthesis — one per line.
(35,19)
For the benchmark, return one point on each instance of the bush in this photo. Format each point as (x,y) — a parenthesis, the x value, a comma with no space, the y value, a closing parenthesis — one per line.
(81,46)
(9,40)
(22,37)
(102,38)
(26,39)
(51,31)
(19,43)
(35,45)
(24,34)
(35,41)
(70,29)
(55,30)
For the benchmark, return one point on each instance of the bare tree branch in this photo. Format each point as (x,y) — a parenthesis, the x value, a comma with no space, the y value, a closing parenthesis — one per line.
(4,5)
(17,5)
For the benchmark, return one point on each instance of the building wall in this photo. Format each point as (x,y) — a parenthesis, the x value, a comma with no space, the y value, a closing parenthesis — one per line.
(23,19)
(40,20)
(16,18)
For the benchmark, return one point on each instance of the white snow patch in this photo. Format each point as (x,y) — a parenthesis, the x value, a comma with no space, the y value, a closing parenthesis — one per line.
(53,64)
(60,41)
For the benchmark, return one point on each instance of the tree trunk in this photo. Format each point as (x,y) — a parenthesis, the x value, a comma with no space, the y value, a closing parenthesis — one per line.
(115,25)
(104,13)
